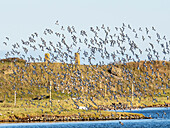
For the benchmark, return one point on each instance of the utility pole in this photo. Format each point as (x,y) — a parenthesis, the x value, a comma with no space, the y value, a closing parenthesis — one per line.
(47,60)
(100,85)
(105,87)
(132,92)
(50,93)
(15,97)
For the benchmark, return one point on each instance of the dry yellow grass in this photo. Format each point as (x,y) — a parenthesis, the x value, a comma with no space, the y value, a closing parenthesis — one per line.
(32,80)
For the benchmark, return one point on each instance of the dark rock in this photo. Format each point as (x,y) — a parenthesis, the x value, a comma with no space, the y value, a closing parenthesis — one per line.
(36,98)
(47,97)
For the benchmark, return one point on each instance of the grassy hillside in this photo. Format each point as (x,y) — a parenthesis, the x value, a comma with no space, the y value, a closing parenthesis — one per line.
(32,79)
(89,86)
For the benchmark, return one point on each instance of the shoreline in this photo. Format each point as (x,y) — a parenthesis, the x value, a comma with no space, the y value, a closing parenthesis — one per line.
(57,118)
(108,108)
(72,118)
(67,119)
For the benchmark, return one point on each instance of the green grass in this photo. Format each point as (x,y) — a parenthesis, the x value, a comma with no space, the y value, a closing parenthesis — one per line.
(8,111)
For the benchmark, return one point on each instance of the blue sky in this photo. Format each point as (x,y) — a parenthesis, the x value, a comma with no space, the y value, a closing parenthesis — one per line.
(20,18)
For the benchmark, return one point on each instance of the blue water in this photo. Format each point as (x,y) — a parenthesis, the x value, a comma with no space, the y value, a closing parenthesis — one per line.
(161,119)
